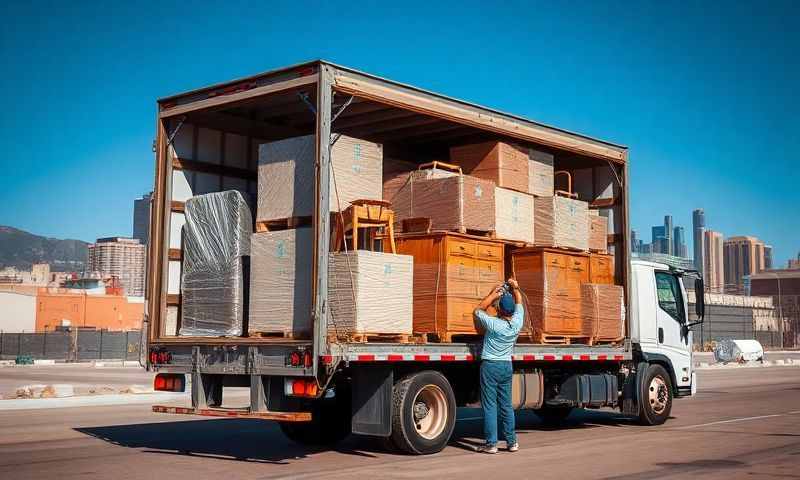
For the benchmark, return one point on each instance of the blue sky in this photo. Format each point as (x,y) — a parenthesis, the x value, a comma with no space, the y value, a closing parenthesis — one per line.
(704,94)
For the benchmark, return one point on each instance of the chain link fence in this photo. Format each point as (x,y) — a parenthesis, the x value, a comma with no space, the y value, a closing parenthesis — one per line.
(71,346)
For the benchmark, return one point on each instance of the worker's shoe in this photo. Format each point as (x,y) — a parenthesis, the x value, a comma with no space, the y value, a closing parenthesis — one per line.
(513,447)
(486,448)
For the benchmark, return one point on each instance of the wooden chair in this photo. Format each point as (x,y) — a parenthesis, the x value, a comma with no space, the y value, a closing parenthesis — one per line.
(370,214)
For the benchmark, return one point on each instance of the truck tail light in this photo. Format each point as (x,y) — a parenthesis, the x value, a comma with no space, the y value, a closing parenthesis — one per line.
(308,360)
(301,358)
(301,387)
(294,359)
(160,357)
(169,382)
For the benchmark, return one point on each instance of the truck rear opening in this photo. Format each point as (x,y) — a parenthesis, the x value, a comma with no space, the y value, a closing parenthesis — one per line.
(328,381)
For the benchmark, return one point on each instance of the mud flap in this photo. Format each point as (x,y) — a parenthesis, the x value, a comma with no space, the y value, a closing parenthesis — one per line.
(631,389)
(372,401)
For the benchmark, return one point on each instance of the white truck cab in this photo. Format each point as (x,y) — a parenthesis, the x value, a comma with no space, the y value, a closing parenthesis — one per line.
(660,326)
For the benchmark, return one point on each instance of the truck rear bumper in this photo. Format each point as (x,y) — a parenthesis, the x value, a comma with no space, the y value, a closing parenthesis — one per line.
(235,413)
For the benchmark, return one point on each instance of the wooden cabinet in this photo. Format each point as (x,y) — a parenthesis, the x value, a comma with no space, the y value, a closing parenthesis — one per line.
(601,268)
(551,280)
(452,273)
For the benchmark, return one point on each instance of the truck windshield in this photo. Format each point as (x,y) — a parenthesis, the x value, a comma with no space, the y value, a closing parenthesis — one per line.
(669,295)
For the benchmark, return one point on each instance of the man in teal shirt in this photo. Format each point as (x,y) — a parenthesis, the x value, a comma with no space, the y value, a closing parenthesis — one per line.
(500,335)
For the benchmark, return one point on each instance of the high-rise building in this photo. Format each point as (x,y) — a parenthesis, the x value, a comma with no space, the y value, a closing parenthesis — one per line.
(659,239)
(794,263)
(141,218)
(679,243)
(122,258)
(698,235)
(744,255)
(40,273)
(714,267)
(668,235)
(767,257)
(634,242)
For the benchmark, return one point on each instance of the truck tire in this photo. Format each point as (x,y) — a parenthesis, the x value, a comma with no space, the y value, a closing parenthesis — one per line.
(423,413)
(553,416)
(655,397)
(330,421)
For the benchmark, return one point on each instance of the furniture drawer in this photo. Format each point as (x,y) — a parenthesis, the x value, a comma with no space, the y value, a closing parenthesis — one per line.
(461,268)
(489,251)
(489,271)
(577,263)
(554,260)
(458,247)
(461,288)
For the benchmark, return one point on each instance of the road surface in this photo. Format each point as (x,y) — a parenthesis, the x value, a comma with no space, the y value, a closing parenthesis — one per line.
(743,423)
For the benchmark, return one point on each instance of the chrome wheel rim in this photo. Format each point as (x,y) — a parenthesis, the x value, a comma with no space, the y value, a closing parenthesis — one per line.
(658,395)
(429,412)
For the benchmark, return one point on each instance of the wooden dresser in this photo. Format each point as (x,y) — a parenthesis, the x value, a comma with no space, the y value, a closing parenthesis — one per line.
(551,280)
(452,274)
(601,268)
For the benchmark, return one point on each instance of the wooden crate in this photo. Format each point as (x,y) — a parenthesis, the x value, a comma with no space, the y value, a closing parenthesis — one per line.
(452,273)
(601,268)
(551,280)
(505,164)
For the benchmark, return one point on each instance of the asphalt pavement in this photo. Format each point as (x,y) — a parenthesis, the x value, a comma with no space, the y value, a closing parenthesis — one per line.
(743,423)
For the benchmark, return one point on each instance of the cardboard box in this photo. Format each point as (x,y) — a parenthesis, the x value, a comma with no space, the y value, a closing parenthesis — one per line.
(370,292)
(504,164)
(603,308)
(286,174)
(513,215)
(540,173)
(561,222)
(452,201)
(280,282)
(598,233)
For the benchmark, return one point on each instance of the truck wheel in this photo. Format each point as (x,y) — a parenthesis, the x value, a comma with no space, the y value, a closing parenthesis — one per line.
(553,415)
(423,413)
(330,421)
(655,397)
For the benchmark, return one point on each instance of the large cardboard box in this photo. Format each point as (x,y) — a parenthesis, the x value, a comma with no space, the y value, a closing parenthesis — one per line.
(513,215)
(598,232)
(286,175)
(216,241)
(561,222)
(280,282)
(452,201)
(505,164)
(370,292)
(603,309)
(540,173)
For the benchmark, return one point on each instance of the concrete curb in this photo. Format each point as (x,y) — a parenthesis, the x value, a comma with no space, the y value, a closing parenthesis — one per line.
(92,401)
(768,363)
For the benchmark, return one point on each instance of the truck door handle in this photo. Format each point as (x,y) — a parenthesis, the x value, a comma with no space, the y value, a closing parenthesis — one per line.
(660,335)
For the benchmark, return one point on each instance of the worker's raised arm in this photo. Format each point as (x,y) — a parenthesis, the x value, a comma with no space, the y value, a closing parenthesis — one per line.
(512,282)
(479,314)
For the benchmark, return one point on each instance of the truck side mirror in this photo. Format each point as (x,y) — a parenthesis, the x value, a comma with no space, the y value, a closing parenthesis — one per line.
(699,299)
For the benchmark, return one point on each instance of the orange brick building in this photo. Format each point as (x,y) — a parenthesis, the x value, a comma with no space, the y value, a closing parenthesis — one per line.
(67,307)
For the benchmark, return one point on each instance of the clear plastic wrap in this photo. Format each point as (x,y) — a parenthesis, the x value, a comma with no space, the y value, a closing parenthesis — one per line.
(451,201)
(370,292)
(540,173)
(603,312)
(598,232)
(729,350)
(504,164)
(513,215)
(561,222)
(216,238)
(280,282)
(286,175)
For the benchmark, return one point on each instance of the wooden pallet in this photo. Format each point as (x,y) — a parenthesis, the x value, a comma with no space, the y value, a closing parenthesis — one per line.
(385,338)
(282,224)
(478,233)
(282,335)
(564,339)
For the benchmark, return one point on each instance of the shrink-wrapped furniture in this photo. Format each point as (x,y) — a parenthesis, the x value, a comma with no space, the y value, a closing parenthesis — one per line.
(286,176)
(551,280)
(598,232)
(280,283)
(370,293)
(504,164)
(601,268)
(451,200)
(540,173)
(513,215)
(216,249)
(452,274)
(561,222)
(603,312)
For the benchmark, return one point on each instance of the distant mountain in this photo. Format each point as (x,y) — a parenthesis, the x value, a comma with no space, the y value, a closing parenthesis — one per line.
(21,249)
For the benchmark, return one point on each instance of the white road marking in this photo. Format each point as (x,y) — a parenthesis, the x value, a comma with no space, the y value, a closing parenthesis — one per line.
(733,420)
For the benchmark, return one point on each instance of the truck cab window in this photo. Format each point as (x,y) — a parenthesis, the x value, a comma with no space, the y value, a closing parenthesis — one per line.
(669,295)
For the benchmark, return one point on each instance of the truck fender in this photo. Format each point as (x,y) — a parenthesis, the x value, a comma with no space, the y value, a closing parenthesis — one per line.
(664,361)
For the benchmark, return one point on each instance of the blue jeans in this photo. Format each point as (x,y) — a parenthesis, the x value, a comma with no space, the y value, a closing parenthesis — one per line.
(496,399)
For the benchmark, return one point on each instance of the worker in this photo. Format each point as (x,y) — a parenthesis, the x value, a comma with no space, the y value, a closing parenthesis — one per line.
(500,335)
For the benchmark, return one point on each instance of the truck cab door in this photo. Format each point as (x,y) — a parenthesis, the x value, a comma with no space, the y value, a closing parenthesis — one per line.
(674,339)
